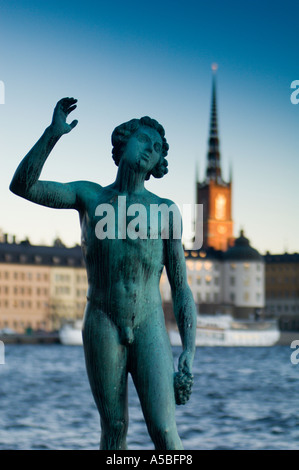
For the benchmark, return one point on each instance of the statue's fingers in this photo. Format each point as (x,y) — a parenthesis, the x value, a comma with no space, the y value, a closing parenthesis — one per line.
(73,123)
(70,109)
(65,103)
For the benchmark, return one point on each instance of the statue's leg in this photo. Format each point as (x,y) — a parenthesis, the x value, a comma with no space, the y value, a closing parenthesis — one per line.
(106,363)
(151,366)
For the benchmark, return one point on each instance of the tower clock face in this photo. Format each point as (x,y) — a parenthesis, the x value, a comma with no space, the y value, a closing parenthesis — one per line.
(220,207)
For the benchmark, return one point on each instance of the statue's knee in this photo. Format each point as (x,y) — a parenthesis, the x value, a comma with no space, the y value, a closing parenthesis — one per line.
(161,435)
(117,427)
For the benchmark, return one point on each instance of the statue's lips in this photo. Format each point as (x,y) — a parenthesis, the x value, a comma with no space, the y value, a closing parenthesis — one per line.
(145,156)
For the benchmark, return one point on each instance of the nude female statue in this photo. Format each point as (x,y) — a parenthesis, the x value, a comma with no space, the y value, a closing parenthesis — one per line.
(124,329)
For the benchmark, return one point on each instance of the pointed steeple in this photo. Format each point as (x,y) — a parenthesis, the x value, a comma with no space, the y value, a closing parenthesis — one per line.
(214,169)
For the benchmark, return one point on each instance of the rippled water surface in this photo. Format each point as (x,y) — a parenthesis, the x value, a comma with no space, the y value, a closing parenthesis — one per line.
(243,398)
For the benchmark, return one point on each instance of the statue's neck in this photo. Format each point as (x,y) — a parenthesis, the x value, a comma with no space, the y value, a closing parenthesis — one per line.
(128,179)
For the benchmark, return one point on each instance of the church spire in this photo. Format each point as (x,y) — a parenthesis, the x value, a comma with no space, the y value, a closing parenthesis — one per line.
(214,169)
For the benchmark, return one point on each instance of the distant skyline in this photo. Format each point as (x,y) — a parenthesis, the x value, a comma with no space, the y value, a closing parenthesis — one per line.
(124,60)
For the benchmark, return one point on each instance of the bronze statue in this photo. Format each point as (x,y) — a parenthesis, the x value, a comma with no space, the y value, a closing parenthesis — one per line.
(124,329)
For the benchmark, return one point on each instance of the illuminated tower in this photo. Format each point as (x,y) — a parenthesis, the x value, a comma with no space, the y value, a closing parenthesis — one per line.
(214,193)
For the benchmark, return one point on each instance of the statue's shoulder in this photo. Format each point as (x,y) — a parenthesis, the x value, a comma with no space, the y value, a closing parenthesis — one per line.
(87,186)
(86,191)
(155,199)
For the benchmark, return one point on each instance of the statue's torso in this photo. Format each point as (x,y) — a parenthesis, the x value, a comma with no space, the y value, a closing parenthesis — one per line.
(124,271)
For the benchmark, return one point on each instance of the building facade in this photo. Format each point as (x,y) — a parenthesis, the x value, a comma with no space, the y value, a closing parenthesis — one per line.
(231,281)
(40,286)
(282,289)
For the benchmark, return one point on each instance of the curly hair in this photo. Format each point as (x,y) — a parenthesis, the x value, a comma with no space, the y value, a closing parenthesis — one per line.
(123,132)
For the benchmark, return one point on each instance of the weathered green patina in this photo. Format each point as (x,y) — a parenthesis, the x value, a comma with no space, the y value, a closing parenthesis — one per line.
(124,330)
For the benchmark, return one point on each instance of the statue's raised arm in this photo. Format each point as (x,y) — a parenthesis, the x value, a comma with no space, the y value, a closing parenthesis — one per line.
(26,183)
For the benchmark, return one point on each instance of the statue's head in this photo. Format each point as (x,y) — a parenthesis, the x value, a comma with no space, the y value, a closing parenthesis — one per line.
(122,134)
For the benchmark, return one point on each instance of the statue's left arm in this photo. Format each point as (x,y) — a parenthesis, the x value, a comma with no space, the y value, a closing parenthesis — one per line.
(183,302)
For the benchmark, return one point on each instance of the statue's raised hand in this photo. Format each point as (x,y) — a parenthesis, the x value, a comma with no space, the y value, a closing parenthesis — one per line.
(63,108)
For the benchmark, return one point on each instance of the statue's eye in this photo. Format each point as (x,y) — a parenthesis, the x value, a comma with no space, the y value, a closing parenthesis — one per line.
(143,138)
(158,147)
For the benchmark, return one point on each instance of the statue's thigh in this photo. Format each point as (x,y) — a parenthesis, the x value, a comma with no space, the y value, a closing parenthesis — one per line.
(106,363)
(152,370)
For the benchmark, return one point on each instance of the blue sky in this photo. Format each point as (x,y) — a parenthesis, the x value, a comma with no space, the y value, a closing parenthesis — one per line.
(128,59)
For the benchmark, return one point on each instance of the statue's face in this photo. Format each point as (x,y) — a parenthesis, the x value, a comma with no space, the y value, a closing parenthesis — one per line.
(143,149)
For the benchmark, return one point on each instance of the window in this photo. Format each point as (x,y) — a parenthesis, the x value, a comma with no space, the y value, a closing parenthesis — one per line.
(208,265)
(198,265)
(198,280)
(232,281)
(190,265)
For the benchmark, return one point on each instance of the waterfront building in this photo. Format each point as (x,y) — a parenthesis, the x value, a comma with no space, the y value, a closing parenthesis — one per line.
(40,286)
(282,288)
(244,279)
(230,281)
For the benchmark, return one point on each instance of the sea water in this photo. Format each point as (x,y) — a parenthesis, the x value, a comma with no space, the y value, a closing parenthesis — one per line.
(243,398)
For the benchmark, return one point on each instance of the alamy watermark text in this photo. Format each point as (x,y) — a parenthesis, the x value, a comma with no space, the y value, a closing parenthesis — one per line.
(295,354)
(295,94)
(121,221)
